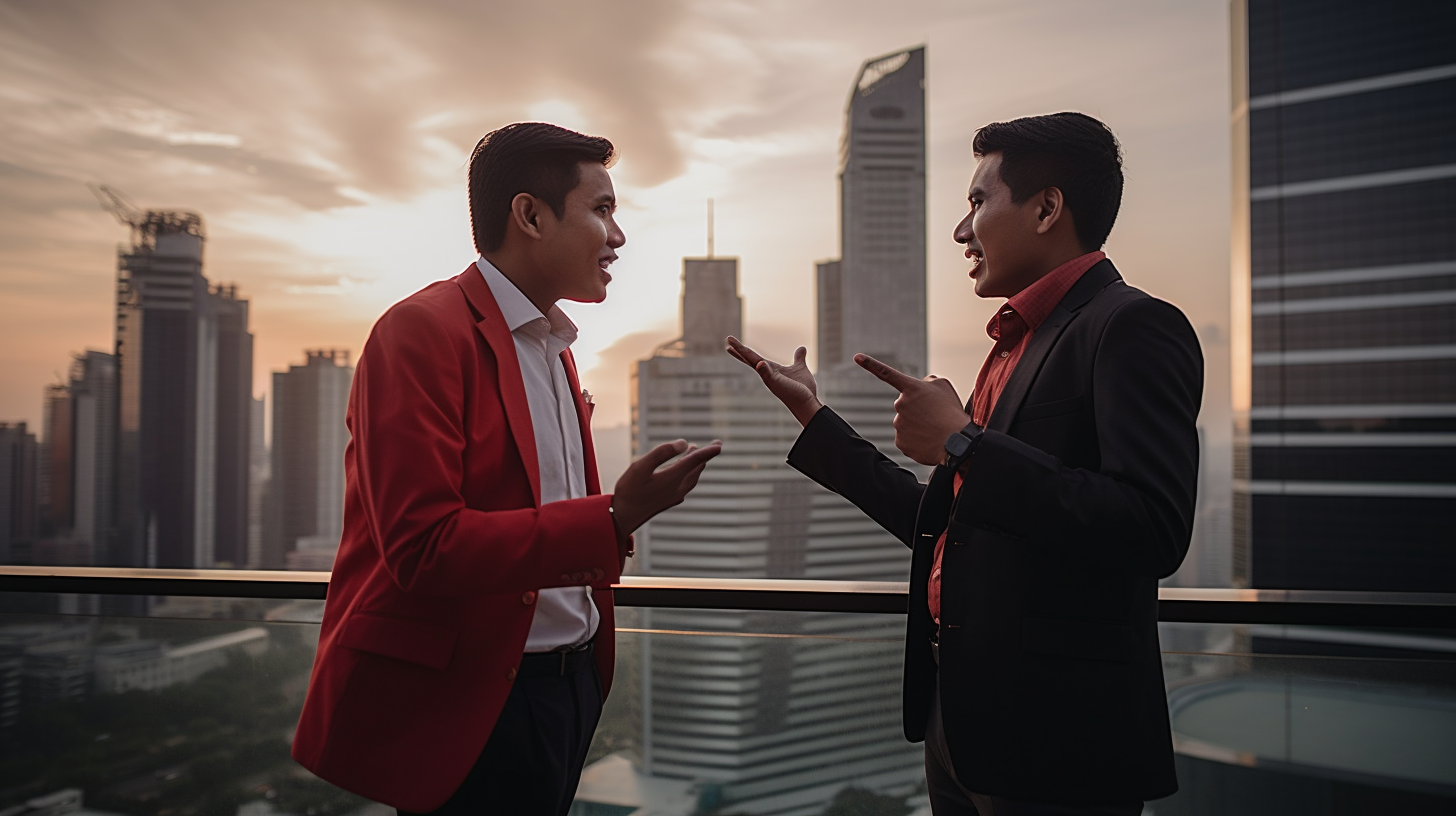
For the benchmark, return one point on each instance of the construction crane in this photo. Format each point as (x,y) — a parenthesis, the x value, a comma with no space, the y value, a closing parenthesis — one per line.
(145,225)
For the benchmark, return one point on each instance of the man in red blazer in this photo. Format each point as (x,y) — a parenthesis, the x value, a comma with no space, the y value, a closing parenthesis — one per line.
(468,640)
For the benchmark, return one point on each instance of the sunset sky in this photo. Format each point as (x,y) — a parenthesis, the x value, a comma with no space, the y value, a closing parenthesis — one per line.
(325,145)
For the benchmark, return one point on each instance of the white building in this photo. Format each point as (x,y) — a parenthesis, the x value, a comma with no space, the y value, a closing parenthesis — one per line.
(149,665)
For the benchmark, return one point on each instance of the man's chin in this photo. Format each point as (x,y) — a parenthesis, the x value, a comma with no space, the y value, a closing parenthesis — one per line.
(589,297)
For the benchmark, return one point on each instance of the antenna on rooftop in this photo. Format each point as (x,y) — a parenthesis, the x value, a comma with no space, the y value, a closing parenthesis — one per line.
(710,228)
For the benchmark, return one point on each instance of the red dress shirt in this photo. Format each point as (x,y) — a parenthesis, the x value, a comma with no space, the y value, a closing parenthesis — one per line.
(1011,329)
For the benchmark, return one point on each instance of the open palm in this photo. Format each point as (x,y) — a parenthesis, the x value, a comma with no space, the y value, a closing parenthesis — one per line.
(792,384)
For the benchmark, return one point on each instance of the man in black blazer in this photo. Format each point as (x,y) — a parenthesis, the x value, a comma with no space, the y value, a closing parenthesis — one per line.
(1062,491)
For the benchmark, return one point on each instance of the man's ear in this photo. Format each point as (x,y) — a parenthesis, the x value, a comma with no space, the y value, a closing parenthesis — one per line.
(1051,207)
(526,214)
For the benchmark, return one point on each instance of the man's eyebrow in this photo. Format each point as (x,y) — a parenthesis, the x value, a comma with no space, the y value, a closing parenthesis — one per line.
(607,198)
(976,190)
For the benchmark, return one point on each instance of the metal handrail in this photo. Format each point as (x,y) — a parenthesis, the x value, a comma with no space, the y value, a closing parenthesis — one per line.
(1175,605)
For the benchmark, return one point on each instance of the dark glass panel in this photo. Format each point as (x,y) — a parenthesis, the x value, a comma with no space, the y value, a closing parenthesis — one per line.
(1391,129)
(1360,328)
(1303,43)
(1350,229)
(1357,425)
(1419,465)
(1397,381)
(1358,288)
(1354,543)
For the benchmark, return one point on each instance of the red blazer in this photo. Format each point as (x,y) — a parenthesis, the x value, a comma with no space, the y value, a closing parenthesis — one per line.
(445,546)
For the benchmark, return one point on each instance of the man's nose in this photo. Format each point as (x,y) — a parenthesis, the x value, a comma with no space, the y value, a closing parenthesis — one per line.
(615,236)
(963,232)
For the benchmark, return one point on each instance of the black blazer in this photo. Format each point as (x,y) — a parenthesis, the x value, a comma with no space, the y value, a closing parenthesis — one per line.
(1078,498)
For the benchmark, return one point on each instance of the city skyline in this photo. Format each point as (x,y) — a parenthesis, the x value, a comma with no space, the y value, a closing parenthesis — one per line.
(322,228)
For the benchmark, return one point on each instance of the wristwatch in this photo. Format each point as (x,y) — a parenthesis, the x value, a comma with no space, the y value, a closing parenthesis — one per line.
(960,445)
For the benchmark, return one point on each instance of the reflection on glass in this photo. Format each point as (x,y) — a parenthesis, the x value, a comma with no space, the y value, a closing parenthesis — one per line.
(713,713)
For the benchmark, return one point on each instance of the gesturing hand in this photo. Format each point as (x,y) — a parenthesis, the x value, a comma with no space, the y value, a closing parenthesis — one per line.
(793,384)
(643,491)
(927,411)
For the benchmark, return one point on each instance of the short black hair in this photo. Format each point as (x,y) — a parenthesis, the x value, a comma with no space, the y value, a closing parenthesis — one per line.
(526,157)
(1069,151)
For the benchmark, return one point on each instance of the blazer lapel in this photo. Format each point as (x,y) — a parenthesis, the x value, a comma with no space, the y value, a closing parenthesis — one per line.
(583,418)
(492,326)
(1043,339)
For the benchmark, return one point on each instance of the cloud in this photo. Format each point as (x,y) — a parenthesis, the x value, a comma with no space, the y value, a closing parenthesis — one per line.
(325,145)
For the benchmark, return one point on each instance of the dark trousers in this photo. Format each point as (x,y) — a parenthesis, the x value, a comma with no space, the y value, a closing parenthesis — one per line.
(949,798)
(532,762)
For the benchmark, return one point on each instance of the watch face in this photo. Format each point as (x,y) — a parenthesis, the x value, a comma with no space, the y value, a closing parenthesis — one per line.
(957,444)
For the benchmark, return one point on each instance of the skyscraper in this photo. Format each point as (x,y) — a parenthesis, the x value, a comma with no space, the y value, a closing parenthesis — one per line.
(779,725)
(1344,270)
(258,467)
(880,308)
(306,483)
(18,482)
(234,426)
(732,712)
(56,485)
(185,377)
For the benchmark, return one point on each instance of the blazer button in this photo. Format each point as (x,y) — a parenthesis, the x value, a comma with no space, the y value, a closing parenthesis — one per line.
(528,598)
(511,673)
(565,578)
(598,574)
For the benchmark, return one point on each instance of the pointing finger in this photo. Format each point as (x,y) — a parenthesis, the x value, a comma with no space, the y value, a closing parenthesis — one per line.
(893,376)
(799,355)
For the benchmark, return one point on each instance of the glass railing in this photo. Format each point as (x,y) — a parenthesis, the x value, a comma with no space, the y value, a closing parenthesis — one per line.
(167,695)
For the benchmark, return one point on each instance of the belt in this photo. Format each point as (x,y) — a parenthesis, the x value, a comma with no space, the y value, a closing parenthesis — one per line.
(559,663)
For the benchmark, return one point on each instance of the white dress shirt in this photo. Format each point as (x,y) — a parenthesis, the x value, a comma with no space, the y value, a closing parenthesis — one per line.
(565,616)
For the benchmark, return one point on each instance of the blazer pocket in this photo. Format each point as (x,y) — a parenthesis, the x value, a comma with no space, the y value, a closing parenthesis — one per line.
(1043,410)
(410,640)
(1083,640)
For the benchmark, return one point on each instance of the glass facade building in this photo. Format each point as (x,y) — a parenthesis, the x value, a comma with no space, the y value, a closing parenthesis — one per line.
(875,296)
(185,363)
(303,514)
(1345,295)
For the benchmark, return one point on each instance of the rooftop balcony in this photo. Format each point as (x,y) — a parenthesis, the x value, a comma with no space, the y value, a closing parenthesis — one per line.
(175,692)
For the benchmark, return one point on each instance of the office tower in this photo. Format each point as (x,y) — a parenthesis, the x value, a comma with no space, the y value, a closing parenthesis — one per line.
(872,299)
(769,725)
(234,426)
(184,359)
(879,307)
(19,456)
(829,323)
(81,463)
(258,467)
(54,488)
(306,485)
(1344,291)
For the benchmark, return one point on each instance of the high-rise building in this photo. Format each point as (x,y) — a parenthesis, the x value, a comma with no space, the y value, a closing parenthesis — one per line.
(306,483)
(56,487)
(234,427)
(784,723)
(258,467)
(780,725)
(829,307)
(880,276)
(184,372)
(93,447)
(1344,292)
(19,455)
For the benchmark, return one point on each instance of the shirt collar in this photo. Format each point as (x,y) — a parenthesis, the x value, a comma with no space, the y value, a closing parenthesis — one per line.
(1035,303)
(519,311)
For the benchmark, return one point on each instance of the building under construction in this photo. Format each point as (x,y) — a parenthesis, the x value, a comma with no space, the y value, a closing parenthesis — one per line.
(185,362)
